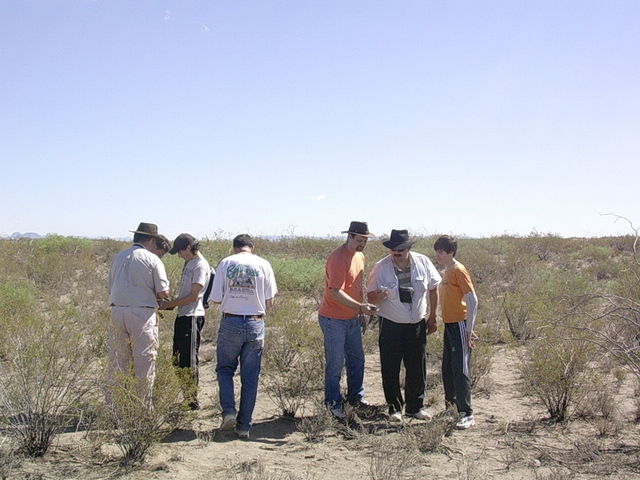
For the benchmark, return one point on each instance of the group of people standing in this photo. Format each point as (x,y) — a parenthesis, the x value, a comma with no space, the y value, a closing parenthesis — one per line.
(244,286)
(402,290)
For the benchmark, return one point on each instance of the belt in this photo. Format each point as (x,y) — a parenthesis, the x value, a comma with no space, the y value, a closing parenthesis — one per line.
(252,317)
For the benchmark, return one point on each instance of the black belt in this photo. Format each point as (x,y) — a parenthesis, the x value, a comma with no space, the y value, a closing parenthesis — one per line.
(233,315)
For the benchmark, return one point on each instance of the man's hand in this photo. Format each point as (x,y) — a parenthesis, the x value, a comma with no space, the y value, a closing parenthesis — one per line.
(377,296)
(368,309)
(432,326)
(472,338)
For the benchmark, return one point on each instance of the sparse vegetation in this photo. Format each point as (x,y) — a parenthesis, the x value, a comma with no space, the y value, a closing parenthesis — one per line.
(570,308)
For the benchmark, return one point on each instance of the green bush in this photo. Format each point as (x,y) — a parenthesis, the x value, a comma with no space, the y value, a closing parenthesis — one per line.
(555,370)
(293,371)
(43,379)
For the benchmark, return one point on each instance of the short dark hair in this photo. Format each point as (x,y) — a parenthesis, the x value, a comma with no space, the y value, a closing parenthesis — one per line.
(243,240)
(194,247)
(446,243)
(142,237)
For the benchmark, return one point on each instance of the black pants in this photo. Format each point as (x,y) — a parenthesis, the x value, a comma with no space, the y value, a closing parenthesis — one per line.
(186,345)
(400,342)
(456,364)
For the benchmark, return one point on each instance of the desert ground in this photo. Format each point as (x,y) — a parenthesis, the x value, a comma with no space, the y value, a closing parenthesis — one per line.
(511,440)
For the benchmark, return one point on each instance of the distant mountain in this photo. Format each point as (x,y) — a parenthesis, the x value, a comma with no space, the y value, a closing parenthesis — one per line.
(16,235)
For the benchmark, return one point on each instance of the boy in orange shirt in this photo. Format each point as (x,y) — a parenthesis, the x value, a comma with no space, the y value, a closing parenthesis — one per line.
(459,306)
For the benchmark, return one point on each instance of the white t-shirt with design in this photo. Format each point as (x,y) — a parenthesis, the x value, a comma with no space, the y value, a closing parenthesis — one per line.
(243,284)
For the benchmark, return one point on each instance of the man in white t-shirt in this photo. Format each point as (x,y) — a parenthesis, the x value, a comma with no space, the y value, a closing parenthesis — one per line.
(190,320)
(244,287)
(137,280)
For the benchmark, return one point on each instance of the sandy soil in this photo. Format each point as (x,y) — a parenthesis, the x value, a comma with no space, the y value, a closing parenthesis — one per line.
(509,441)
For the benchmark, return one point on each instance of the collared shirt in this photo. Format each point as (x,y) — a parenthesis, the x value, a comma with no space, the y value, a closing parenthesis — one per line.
(424,277)
(135,277)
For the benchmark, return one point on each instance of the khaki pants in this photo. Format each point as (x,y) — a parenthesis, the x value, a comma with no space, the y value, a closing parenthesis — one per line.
(133,337)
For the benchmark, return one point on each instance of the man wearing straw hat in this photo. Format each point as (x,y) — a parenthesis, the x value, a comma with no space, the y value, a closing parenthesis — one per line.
(400,284)
(137,280)
(339,316)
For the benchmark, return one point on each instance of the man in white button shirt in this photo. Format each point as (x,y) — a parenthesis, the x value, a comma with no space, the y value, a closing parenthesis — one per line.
(137,280)
(400,284)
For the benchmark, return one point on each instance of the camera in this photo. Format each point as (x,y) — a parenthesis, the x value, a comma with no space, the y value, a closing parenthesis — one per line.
(406,294)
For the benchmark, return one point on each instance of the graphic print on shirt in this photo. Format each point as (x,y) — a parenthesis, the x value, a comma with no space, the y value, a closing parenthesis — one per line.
(242,283)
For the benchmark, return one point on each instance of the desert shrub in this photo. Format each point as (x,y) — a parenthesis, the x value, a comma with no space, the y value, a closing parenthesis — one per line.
(481,364)
(130,422)
(519,310)
(426,437)
(303,277)
(556,371)
(315,425)
(293,369)
(43,380)
(389,460)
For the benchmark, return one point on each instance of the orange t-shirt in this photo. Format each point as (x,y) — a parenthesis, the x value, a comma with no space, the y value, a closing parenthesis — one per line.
(344,270)
(456,282)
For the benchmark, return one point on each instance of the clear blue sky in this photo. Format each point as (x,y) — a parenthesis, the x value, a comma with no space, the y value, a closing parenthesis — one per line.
(473,118)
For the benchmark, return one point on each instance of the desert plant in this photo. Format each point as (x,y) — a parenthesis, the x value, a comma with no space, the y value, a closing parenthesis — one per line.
(555,371)
(427,437)
(42,381)
(315,425)
(481,364)
(293,371)
(389,460)
(133,424)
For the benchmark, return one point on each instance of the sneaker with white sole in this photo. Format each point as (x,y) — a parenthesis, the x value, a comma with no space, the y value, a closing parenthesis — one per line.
(228,422)
(465,421)
(421,414)
(395,416)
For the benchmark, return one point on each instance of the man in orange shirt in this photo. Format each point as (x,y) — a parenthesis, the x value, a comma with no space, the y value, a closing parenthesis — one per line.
(459,305)
(339,317)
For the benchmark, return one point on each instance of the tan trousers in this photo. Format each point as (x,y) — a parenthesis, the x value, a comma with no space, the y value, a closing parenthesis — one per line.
(133,337)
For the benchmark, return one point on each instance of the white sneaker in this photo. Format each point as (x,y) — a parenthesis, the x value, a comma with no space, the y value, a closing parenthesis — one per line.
(395,417)
(228,422)
(338,413)
(465,421)
(421,414)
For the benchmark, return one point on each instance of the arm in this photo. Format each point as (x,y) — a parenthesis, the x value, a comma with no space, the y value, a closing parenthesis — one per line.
(377,296)
(192,297)
(341,297)
(472,310)
(269,302)
(162,295)
(433,306)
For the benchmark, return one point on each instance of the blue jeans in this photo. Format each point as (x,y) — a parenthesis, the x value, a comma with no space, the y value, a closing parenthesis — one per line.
(239,339)
(342,347)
